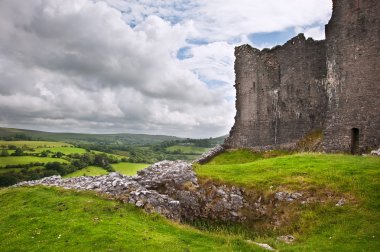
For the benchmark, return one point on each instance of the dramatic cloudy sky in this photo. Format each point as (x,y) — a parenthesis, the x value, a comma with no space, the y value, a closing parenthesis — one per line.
(137,66)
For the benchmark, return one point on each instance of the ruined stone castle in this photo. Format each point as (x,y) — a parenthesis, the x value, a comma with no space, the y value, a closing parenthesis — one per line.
(304,86)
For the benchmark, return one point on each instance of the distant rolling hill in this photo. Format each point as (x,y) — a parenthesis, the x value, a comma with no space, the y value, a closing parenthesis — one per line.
(123,138)
(77,138)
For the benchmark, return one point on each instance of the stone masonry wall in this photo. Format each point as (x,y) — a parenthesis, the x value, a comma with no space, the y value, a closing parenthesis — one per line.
(280,93)
(288,91)
(353,83)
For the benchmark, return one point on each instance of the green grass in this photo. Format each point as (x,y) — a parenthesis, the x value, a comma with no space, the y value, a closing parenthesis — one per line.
(339,172)
(108,154)
(187,149)
(243,156)
(64,150)
(15,160)
(88,171)
(6,170)
(235,157)
(33,144)
(319,226)
(129,169)
(51,219)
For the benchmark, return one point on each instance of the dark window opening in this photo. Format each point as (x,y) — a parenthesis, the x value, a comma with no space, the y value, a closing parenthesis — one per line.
(354,141)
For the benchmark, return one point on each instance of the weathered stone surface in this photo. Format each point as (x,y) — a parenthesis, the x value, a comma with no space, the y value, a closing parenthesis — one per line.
(263,245)
(286,196)
(207,156)
(273,93)
(171,188)
(286,238)
(341,202)
(376,152)
(353,76)
(288,91)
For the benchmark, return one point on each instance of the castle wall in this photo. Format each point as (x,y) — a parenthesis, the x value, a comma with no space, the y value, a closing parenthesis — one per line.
(353,83)
(305,85)
(280,93)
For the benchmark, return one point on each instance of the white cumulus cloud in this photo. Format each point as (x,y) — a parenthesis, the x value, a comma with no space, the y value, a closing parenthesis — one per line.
(112,65)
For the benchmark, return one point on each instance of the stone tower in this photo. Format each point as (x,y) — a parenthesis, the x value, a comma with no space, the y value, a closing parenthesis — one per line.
(353,76)
(333,86)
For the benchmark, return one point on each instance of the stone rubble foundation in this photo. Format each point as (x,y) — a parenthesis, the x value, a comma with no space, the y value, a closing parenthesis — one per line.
(171,188)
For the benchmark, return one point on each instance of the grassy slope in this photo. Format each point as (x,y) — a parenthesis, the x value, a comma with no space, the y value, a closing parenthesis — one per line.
(320,227)
(88,171)
(187,149)
(50,219)
(14,160)
(129,168)
(64,150)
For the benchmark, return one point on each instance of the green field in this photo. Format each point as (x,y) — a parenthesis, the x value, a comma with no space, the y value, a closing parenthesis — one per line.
(64,150)
(51,219)
(319,226)
(108,154)
(14,160)
(187,149)
(88,171)
(33,144)
(129,169)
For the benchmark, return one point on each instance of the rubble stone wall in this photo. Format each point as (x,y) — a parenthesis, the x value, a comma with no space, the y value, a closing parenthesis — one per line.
(172,189)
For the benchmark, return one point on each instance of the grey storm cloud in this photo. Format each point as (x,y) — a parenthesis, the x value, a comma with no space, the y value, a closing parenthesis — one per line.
(79,66)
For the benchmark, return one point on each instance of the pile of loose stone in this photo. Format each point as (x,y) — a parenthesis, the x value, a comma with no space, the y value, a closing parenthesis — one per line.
(171,188)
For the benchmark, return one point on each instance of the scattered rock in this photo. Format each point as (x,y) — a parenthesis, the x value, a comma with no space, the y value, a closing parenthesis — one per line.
(286,238)
(207,156)
(376,152)
(286,196)
(263,245)
(170,188)
(341,202)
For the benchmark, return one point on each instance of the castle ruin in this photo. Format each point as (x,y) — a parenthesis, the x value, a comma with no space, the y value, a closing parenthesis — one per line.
(303,86)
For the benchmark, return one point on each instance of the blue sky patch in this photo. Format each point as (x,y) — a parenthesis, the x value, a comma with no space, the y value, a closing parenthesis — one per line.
(197,41)
(272,38)
(184,53)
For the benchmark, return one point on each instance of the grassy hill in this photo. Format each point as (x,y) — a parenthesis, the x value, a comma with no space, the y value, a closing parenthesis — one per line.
(123,138)
(34,161)
(51,219)
(35,219)
(129,169)
(4,161)
(39,159)
(320,226)
(140,148)
(88,171)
